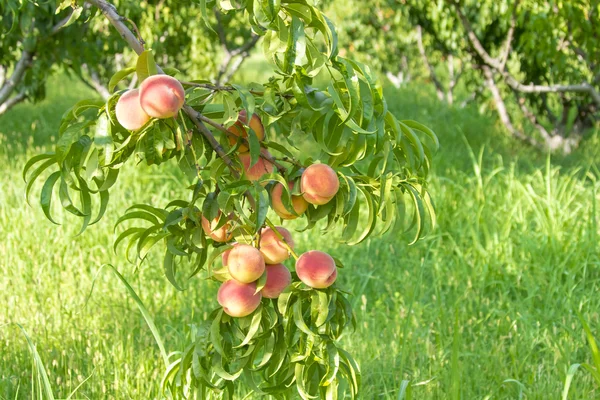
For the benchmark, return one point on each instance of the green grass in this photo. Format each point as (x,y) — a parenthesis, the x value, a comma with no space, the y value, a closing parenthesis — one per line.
(483,308)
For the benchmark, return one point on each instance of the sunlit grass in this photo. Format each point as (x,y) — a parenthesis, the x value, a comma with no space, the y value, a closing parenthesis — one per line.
(485,307)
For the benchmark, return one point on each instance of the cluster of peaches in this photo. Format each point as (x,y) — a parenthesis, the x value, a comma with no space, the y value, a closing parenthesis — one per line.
(240,294)
(162,96)
(159,96)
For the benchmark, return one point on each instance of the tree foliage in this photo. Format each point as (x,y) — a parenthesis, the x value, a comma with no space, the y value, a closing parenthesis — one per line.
(538,59)
(290,344)
(44,39)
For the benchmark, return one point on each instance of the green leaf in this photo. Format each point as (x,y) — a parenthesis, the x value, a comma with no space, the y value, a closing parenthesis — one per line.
(322,307)
(296,45)
(86,204)
(299,319)
(262,206)
(103,138)
(138,215)
(419,211)
(333,364)
(302,383)
(128,232)
(65,199)
(145,66)
(33,160)
(169,267)
(220,371)
(157,212)
(70,136)
(422,128)
(35,174)
(118,77)
(104,197)
(355,374)
(248,102)
(215,333)
(254,325)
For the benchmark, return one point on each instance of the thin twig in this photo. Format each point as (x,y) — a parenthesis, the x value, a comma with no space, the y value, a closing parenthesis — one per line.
(228,88)
(12,101)
(222,128)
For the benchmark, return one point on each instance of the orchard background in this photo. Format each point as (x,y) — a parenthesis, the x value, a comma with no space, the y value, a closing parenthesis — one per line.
(500,300)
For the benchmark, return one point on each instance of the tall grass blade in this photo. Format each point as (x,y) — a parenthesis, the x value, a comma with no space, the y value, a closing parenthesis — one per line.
(43,381)
(147,317)
(570,374)
(591,341)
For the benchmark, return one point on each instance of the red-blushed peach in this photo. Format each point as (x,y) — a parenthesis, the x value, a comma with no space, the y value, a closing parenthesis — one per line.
(238,299)
(278,278)
(245,263)
(316,269)
(129,112)
(238,130)
(319,183)
(298,203)
(255,172)
(161,96)
(272,247)
(218,235)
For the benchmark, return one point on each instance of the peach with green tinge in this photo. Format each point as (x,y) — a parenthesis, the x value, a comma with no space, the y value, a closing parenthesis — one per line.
(316,269)
(238,130)
(258,170)
(299,204)
(129,112)
(272,247)
(217,234)
(238,299)
(245,263)
(278,279)
(161,96)
(319,184)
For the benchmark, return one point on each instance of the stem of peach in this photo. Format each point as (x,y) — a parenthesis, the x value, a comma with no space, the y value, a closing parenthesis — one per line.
(280,237)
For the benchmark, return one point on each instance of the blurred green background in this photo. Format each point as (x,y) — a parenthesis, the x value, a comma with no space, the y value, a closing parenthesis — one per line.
(482,308)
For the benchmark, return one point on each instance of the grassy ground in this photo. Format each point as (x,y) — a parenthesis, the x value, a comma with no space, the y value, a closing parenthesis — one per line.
(481,309)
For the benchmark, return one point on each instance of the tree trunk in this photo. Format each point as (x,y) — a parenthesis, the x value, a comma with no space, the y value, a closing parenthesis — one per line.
(501,108)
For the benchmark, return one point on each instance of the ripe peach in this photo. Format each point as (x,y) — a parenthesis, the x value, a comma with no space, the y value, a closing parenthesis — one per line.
(218,235)
(319,183)
(129,112)
(316,269)
(161,96)
(255,172)
(272,247)
(298,203)
(245,263)
(278,278)
(238,299)
(238,130)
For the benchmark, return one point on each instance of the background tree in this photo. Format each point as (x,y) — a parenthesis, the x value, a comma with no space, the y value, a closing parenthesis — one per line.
(537,60)
(38,40)
(334,156)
